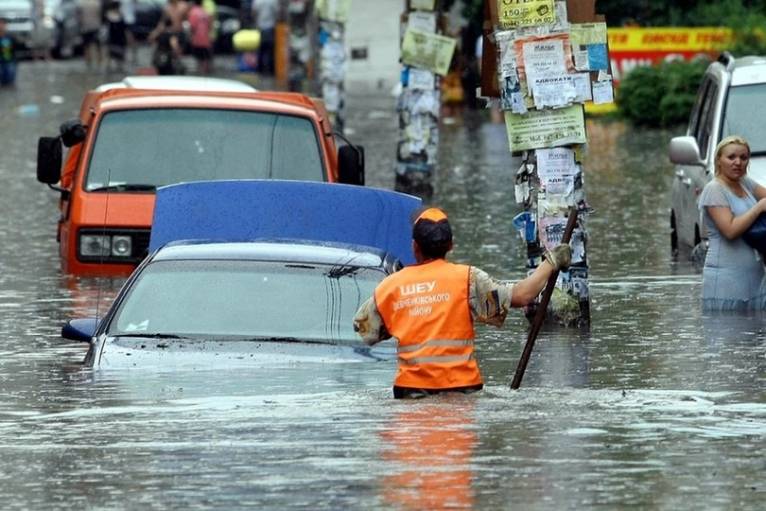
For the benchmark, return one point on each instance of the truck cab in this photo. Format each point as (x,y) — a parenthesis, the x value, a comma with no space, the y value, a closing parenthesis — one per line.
(146,132)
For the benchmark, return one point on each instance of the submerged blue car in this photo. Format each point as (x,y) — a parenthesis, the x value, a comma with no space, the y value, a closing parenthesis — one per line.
(196,302)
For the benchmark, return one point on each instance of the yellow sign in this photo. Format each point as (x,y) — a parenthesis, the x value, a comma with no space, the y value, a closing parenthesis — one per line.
(427,51)
(525,13)
(669,39)
(333,10)
(545,128)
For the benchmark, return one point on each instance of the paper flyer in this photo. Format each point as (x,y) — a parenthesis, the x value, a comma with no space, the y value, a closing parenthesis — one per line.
(423,5)
(420,79)
(542,55)
(553,90)
(545,128)
(589,50)
(422,21)
(428,51)
(551,231)
(603,92)
(333,10)
(525,13)
(555,162)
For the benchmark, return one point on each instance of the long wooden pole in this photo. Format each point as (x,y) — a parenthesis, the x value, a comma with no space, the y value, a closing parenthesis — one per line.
(537,323)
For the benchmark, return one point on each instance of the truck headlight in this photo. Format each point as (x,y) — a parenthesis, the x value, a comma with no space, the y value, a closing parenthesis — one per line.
(122,246)
(92,245)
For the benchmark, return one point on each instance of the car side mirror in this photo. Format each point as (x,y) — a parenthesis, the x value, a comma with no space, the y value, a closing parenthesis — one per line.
(685,151)
(80,329)
(72,132)
(351,165)
(49,160)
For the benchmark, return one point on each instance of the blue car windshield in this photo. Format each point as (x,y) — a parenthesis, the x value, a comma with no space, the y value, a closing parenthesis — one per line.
(224,299)
(146,149)
(743,115)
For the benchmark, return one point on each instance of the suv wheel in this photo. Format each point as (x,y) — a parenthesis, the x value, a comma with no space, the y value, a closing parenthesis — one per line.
(673,236)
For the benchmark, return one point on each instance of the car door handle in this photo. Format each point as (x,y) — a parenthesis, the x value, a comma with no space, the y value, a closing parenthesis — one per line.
(687,181)
(680,174)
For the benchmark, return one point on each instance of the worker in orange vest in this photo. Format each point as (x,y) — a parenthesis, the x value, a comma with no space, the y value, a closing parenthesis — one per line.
(431,306)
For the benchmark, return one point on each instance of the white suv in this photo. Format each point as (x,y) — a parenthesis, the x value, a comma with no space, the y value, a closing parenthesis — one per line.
(731,101)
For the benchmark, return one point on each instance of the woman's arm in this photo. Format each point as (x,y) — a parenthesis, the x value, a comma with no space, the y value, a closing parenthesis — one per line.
(732,227)
(759,192)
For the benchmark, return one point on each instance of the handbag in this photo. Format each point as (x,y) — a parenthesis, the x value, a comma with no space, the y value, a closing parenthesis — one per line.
(755,235)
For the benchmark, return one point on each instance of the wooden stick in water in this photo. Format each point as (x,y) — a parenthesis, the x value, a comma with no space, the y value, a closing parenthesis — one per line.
(537,323)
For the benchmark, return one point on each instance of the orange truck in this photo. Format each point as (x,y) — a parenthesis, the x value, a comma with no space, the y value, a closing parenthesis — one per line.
(145,132)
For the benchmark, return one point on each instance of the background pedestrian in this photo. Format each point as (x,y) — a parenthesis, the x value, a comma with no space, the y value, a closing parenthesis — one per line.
(201,44)
(7,55)
(265,19)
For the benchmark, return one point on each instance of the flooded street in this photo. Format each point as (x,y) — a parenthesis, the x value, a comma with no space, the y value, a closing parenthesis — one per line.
(657,406)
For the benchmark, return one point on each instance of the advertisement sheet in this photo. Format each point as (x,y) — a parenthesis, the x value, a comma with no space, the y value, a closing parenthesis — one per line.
(525,13)
(428,51)
(545,128)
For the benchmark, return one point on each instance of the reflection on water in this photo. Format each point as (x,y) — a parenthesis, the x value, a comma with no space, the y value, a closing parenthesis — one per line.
(656,406)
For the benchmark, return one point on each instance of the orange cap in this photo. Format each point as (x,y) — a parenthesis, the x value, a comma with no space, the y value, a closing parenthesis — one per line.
(432,214)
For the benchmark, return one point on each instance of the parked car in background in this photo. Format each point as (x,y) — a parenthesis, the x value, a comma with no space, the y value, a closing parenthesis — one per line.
(60,19)
(20,22)
(148,14)
(731,101)
(227,23)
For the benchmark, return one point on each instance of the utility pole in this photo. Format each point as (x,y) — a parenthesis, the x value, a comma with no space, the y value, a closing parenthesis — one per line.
(426,56)
(544,61)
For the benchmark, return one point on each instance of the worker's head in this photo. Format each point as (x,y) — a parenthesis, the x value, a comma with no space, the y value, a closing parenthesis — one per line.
(431,234)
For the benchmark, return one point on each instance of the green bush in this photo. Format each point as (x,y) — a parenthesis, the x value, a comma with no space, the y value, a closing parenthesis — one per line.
(660,95)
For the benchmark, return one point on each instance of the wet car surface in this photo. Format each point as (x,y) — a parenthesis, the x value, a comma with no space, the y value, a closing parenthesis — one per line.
(657,406)
(195,305)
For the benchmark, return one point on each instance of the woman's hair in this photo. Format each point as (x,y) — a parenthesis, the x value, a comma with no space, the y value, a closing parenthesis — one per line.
(731,139)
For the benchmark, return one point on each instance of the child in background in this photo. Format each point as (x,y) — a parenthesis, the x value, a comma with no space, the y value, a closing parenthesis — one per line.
(117,35)
(7,55)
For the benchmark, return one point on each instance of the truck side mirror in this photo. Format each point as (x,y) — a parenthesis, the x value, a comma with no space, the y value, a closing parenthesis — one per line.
(351,165)
(49,160)
(72,132)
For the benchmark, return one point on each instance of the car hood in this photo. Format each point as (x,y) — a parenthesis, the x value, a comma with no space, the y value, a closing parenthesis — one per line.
(149,353)
(757,169)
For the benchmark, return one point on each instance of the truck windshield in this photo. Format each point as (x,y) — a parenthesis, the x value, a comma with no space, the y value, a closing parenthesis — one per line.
(744,114)
(139,150)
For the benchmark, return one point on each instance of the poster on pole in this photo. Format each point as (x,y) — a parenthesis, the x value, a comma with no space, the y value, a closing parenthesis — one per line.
(525,13)
(545,128)
(333,10)
(427,51)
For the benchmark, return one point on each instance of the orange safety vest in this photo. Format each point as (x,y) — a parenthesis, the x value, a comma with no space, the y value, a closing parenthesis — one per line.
(426,308)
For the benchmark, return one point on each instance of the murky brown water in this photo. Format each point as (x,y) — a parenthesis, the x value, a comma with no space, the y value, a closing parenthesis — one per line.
(657,406)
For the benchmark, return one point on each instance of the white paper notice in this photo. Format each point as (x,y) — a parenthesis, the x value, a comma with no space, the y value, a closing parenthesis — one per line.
(582,86)
(552,231)
(553,90)
(422,21)
(544,58)
(555,162)
(602,92)
(421,79)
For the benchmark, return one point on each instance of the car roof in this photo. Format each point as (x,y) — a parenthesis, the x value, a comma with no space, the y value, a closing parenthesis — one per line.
(283,250)
(184,83)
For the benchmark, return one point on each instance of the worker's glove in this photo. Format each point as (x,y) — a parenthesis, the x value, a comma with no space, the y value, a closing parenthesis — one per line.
(559,257)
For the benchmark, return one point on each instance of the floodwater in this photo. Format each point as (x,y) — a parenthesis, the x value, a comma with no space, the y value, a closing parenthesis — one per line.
(657,406)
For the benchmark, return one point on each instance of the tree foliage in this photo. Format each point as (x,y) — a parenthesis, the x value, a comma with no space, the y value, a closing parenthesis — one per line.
(661,95)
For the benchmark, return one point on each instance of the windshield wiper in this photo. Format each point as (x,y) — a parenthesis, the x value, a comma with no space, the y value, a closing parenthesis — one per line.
(149,335)
(283,339)
(125,187)
(340,271)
